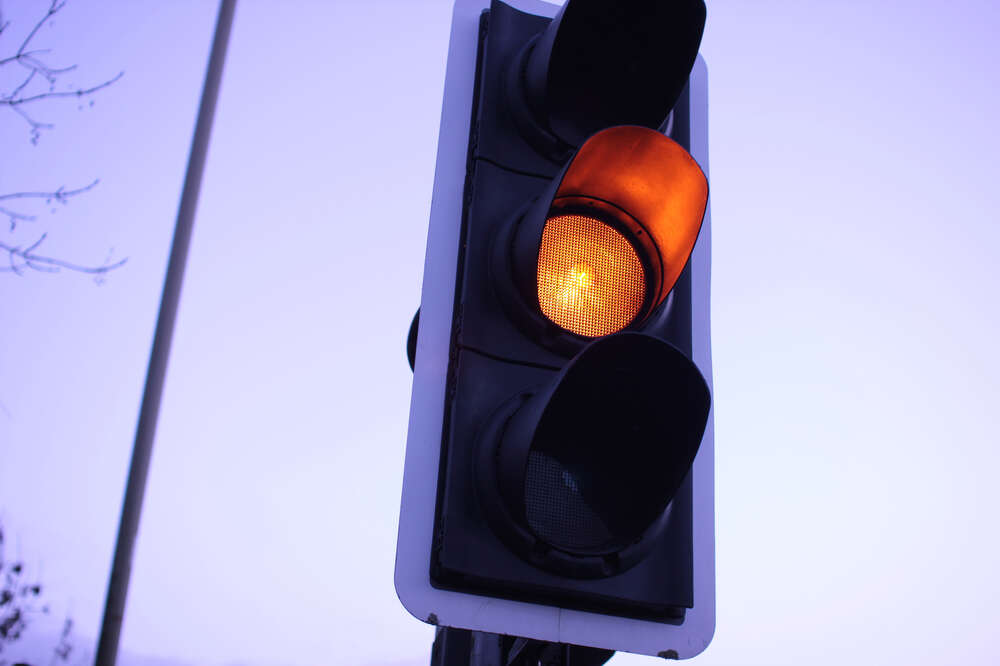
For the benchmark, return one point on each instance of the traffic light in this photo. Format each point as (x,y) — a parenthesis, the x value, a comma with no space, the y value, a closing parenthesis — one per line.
(558,478)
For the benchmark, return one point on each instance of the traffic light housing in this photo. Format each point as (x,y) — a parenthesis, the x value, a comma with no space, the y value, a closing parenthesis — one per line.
(558,479)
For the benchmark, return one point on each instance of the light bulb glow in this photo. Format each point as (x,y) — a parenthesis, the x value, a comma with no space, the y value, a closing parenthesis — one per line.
(590,278)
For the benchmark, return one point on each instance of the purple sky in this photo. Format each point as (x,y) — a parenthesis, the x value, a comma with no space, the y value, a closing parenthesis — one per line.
(854,198)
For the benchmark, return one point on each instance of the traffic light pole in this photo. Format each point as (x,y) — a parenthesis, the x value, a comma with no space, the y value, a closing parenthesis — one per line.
(459,647)
(142,448)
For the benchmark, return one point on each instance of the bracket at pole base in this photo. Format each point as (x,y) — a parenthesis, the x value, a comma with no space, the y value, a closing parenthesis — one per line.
(460,647)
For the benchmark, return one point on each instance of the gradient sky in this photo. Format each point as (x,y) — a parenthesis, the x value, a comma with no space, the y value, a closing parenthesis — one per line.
(855,314)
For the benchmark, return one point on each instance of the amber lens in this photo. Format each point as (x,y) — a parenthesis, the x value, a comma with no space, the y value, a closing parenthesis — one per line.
(590,279)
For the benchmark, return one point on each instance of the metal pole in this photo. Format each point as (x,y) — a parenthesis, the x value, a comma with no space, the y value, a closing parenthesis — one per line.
(142,448)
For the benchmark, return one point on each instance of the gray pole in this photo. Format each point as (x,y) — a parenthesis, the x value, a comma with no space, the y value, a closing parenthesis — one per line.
(142,448)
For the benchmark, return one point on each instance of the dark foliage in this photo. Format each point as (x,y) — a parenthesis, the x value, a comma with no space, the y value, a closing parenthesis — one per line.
(21,602)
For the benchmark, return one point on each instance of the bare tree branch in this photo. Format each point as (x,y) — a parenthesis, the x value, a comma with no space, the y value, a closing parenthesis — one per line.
(26,54)
(53,9)
(24,83)
(36,127)
(19,258)
(66,93)
(40,84)
(16,217)
(61,195)
(50,73)
(31,60)
(29,56)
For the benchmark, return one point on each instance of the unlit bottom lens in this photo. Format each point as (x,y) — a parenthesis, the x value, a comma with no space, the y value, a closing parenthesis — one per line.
(556,510)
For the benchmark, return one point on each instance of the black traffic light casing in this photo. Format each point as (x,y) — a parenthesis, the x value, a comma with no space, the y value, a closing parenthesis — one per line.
(535,447)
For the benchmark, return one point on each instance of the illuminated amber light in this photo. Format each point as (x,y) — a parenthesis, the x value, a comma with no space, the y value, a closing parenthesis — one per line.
(654,180)
(590,279)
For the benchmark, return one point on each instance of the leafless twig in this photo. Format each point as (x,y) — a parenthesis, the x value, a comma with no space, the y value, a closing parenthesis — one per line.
(79,92)
(40,84)
(20,258)
(60,195)
(36,70)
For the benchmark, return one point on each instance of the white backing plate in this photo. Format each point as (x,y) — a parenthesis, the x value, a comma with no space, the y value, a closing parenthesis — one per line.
(423,446)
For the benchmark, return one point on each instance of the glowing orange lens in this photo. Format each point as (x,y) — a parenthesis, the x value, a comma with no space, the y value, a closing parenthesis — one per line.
(590,279)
